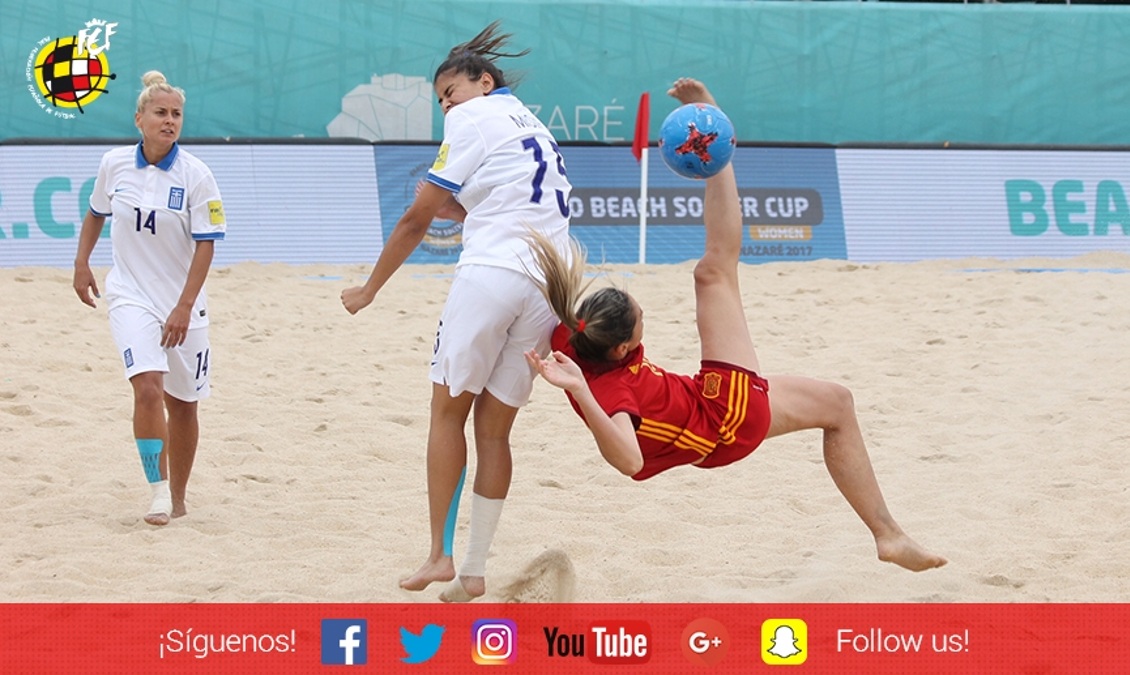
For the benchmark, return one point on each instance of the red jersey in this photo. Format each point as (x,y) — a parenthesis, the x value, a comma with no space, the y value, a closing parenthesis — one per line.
(714,418)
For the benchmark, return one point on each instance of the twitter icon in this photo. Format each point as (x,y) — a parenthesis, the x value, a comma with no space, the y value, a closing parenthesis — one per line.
(420,648)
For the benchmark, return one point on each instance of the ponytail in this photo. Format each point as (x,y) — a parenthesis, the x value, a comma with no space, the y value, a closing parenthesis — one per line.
(599,322)
(478,56)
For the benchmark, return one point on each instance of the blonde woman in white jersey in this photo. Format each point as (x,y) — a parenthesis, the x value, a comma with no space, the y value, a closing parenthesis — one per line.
(166,217)
(498,171)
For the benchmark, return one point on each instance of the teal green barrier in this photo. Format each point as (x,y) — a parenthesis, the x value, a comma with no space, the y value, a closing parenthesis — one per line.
(784,71)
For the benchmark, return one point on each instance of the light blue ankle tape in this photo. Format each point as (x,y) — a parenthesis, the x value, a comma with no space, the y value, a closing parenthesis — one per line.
(452,512)
(150,449)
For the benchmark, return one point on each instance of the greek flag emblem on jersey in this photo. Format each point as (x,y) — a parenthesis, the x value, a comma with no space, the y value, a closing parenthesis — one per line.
(176,198)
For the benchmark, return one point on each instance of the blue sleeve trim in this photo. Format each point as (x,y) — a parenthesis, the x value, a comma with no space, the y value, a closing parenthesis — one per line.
(445,184)
(209,236)
(101,215)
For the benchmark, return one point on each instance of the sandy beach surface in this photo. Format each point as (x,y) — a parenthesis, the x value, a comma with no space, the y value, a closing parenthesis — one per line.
(994,396)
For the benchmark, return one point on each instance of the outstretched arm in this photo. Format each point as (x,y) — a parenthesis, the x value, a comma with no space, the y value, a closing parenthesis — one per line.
(615,436)
(405,237)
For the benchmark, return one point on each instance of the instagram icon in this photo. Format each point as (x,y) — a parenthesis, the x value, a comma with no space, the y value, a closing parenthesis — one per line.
(494,642)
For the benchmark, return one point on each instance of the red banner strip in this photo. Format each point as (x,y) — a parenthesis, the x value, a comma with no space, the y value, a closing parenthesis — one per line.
(566,638)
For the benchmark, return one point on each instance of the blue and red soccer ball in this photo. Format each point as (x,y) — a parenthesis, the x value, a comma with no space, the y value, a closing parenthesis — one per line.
(697,140)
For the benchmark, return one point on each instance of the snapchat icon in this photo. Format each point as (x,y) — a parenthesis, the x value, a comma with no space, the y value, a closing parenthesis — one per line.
(784,642)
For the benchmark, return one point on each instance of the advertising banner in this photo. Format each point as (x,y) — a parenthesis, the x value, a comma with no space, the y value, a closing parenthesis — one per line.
(336,203)
(902,205)
(789,196)
(284,203)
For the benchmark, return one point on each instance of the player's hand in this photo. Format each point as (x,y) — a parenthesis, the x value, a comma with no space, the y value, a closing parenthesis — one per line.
(557,369)
(85,285)
(355,299)
(176,327)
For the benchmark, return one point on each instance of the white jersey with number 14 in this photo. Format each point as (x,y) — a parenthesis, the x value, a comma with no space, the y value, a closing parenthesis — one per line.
(159,212)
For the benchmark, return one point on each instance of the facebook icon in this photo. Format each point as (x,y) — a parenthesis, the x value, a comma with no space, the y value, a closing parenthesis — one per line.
(344,642)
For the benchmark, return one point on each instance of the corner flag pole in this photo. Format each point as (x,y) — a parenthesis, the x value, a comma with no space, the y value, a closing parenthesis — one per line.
(639,149)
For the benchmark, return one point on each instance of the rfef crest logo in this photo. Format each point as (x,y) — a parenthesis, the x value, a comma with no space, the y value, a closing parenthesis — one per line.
(68,73)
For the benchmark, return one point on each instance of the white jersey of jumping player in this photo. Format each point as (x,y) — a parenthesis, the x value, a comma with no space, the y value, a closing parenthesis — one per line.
(158,213)
(506,170)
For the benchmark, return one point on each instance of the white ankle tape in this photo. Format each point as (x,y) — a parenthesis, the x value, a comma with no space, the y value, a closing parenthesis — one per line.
(162,498)
(484,522)
(160,489)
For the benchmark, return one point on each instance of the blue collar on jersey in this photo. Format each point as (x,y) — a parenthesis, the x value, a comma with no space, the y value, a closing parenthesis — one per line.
(500,90)
(164,164)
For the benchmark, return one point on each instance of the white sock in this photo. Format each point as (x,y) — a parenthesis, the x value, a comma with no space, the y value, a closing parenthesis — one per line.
(484,522)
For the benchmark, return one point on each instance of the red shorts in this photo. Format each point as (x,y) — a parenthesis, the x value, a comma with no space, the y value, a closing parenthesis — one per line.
(739,399)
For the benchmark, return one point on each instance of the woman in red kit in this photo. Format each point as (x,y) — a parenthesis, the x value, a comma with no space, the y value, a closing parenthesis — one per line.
(646,420)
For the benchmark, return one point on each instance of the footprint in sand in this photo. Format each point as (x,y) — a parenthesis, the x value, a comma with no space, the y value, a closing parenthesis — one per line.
(548,578)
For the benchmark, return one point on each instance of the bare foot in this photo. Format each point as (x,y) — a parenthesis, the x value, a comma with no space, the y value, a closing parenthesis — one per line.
(157,518)
(442,569)
(905,552)
(464,589)
(689,90)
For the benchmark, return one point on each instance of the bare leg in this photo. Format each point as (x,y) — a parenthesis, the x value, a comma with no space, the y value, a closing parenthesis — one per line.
(493,421)
(184,435)
(447,457)
(802,403)
(796,403)
(722,328)
(149,422)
